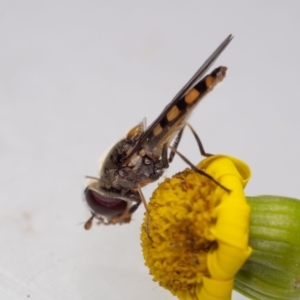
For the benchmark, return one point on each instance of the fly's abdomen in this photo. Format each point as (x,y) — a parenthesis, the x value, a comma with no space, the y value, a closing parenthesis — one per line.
(177,113)
(204,86)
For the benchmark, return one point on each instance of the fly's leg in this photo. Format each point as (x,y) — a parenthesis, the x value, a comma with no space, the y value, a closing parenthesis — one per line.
(199,143)
(142,196)
(89,223)
(175,144)
(177,141)
(195,168)
(125,217)
(164,156)
(146,207)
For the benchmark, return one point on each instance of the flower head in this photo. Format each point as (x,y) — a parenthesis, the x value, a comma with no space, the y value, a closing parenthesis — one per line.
(195,236)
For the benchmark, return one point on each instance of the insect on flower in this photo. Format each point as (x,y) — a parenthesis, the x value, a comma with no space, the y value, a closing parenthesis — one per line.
(143,155)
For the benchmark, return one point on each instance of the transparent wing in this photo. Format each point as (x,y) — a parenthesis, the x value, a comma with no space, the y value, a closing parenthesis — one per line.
(194,80)
(202,70)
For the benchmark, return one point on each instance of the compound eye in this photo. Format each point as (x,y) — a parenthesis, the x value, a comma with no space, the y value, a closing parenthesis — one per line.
(103,205)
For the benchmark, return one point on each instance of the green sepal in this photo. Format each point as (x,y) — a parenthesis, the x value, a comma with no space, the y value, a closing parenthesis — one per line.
(273,269)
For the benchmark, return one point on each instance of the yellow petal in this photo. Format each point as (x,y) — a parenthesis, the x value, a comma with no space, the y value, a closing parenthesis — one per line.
(240,169)
(215,289)
(233,216)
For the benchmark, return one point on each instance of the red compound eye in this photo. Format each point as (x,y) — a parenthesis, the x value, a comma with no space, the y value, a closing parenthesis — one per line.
(103,205)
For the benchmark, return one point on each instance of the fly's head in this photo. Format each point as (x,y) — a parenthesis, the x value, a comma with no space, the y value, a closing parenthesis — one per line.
(112,195)
(110,206)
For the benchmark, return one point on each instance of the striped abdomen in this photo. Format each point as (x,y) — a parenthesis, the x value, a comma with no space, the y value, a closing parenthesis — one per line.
(176,112)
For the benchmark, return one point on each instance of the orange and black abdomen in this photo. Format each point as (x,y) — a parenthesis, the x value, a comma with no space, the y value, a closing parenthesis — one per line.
(176,112)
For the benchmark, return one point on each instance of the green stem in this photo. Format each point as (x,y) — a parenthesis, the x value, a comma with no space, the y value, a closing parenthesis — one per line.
(273,269)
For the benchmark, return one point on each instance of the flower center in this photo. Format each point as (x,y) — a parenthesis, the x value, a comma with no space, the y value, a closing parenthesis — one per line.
(176,235)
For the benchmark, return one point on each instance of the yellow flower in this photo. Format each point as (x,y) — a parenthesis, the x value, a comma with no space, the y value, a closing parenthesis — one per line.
(195,237)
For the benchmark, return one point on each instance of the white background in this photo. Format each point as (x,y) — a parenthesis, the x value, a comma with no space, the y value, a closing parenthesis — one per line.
(76,75)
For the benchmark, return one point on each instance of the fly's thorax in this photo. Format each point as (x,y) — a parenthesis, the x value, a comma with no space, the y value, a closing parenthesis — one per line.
(123,175)
(111,163)
(116,154)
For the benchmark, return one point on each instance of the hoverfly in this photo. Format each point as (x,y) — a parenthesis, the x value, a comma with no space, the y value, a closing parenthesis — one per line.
(141,157)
